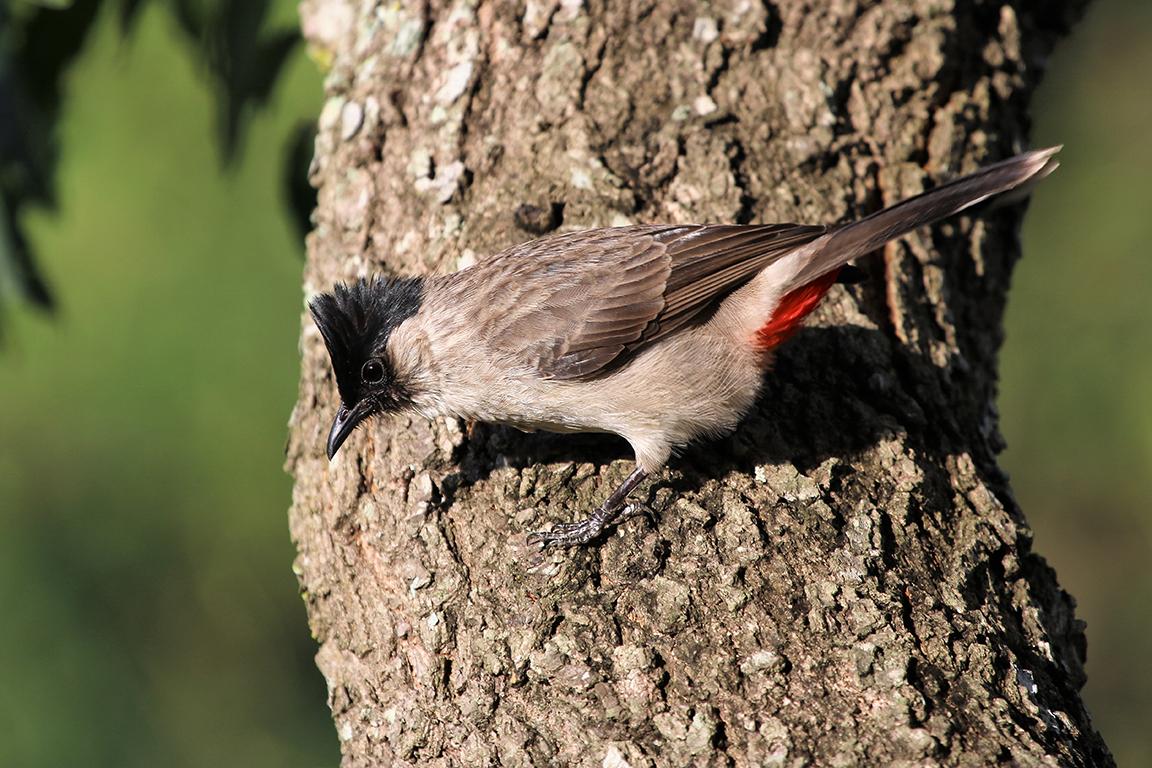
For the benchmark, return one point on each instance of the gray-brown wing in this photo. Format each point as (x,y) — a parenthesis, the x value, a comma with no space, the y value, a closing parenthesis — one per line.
(573,306)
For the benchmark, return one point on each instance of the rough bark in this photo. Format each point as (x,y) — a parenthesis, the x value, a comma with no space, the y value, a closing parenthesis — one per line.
(846,580)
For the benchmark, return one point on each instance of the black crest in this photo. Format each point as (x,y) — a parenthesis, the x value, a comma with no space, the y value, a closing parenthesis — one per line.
(356,321)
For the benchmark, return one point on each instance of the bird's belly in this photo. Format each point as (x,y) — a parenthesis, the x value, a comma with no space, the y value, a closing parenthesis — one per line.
(690,385)
(529,425)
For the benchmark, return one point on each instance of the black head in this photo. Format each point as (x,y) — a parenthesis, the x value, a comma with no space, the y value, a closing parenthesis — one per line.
(356,322)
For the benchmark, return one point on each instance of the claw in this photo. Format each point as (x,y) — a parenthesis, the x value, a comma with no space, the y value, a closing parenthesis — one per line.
(583,531)
(567,534)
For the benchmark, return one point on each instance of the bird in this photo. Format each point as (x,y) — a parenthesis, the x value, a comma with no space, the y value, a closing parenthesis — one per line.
(661,334)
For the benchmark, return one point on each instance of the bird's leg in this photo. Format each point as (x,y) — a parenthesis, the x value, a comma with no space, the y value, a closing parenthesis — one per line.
(583,531)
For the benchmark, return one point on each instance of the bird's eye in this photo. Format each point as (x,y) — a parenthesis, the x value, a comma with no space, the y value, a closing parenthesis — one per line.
(372,371)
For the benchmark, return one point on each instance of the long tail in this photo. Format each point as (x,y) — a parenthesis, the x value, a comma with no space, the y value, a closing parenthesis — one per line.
(1011,178)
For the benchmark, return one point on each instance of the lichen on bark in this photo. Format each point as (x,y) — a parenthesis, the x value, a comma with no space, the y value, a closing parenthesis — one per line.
(847,579)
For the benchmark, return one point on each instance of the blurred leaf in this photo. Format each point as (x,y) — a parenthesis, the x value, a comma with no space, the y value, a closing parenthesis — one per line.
(38,43)
(36,46)
(129,12)
(301,194)
(17,269)
(241,59)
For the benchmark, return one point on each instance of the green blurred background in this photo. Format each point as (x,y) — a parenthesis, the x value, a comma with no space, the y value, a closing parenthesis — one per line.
(1076,369)
(150,616)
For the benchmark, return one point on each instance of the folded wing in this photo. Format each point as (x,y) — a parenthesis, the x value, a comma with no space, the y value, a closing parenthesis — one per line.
(574,306)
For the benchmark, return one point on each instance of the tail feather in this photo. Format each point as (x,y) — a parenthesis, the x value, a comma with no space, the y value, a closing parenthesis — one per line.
(1007,180)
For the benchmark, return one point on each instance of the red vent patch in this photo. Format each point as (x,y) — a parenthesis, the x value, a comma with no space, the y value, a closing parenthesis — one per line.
(794,307)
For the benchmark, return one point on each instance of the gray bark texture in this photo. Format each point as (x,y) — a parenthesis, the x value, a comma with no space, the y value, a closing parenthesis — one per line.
(846,580)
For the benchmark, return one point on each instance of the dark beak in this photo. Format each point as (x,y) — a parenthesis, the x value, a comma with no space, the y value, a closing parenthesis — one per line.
(347,419)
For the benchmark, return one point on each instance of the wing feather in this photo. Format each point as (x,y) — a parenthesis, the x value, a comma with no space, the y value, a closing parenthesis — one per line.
(573,306)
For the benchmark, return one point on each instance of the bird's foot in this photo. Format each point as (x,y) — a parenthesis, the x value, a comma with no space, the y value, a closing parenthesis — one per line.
(583,531)
(567,534)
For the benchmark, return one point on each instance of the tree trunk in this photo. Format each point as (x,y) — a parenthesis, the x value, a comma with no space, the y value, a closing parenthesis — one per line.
(847,579)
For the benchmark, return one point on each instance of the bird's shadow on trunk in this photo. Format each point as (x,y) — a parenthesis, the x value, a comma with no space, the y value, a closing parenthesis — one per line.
(832,391)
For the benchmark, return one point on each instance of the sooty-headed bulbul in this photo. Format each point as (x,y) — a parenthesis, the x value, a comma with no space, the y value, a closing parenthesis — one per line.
(658,333)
